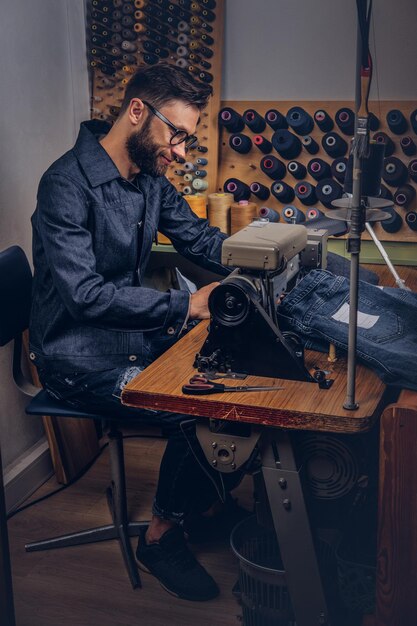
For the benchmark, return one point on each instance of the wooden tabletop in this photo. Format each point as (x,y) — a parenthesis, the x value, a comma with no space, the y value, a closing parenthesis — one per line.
(300,405)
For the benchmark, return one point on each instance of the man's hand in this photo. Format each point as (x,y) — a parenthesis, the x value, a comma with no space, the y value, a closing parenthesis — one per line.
(199,302)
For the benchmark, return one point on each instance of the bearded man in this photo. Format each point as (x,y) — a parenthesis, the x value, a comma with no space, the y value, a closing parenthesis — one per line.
(94,326)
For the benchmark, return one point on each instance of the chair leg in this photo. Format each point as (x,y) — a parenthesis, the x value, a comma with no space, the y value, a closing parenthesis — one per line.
(120,529)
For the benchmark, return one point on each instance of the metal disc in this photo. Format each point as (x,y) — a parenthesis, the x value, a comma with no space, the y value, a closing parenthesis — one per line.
(372,203)
(372,215)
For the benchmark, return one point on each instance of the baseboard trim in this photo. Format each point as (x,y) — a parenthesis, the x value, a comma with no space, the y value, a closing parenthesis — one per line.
(26,474)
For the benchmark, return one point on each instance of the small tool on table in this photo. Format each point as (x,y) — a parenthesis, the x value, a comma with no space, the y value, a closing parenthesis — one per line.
(201,385)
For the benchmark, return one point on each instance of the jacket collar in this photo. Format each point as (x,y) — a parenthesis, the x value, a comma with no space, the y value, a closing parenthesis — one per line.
(94,160)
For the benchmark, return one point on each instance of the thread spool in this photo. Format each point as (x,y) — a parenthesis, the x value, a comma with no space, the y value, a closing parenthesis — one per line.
(181,62)
(242,213)
(408,146)
(231,120)
(205,38)
(328,190)
(262,143)
(269,214)
(334,145)
(203,149)
(384,139)
(412,170)
(150,58)
(282,191)
(345,119)
(413,120)
(310,144)
(338,169)
(275,119)
(394,223)
(200,173)
(240,143)
(374,122)
(296,169)
(404,196)
(372,167)
(182,51)
(286,144)
(188,190)
(305,192)
(397,122)
(201,161)
(179,172)
(239,189)
(394,173)
(254,121)
(188,177)
(131,35)
(273,167)
(318,169)
(218,210)
(183,26)
(189,166)
(260,191)
(323,121)
(206,77)
(314,214)
(199,185)
(385,193)
(300,121)
(411,220)
(293,215)
(198,203)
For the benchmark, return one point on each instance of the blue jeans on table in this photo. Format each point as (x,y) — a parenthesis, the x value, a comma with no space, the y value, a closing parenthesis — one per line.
(186,482)
(317,309)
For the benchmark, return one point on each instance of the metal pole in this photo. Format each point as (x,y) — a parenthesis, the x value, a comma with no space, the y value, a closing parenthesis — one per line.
(353,246)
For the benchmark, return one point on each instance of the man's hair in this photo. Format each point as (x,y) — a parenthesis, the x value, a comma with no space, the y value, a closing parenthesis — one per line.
(162,83)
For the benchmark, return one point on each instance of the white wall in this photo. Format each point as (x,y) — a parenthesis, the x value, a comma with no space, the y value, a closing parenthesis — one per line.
(306,50)
(43,97)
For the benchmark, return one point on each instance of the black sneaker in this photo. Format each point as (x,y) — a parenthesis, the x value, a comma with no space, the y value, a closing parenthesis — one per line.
(173,564)
(201,528)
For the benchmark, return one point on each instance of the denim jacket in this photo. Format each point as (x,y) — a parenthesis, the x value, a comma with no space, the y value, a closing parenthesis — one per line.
(92,237)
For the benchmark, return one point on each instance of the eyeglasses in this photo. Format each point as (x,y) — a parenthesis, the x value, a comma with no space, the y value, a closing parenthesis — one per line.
(179,136)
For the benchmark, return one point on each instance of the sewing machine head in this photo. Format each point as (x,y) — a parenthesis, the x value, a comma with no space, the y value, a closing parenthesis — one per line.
(244,334)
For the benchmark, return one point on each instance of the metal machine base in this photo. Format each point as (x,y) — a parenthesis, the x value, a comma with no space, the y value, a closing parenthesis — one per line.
(227,451)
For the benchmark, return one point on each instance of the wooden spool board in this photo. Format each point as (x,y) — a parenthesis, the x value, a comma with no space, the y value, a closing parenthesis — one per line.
(246,167)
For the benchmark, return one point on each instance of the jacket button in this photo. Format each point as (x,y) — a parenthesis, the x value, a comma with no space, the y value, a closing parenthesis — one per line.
(132,357)
(32,356)
(171,330)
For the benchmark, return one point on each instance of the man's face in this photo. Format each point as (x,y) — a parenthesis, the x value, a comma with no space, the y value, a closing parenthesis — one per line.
(149,148)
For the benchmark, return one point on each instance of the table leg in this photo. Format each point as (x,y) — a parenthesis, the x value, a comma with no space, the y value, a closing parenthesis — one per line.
(6,592)
(283,487)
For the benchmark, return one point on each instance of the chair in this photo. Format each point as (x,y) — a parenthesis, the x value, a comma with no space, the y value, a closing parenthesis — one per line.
(15,296)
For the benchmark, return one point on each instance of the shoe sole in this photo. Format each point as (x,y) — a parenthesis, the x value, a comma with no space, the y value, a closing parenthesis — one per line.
(143,568)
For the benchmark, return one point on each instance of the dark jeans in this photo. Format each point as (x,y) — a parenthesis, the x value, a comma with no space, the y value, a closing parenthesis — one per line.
(317,309)
(186,482)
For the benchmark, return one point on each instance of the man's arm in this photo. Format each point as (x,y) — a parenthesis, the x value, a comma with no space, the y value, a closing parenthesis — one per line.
(191,236)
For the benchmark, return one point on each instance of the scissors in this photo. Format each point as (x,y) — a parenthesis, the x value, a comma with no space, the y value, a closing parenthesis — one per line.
(200,385)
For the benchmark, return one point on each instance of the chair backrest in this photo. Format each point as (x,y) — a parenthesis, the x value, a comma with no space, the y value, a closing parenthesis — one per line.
(15,293)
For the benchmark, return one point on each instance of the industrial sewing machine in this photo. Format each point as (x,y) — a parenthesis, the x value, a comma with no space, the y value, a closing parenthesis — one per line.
(244,335)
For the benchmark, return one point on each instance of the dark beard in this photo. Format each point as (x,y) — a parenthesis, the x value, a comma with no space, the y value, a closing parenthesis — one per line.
(143,152)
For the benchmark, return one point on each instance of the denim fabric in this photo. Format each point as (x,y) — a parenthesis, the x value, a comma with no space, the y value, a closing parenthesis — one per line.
(388,345)
(92,238)
(186,483)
